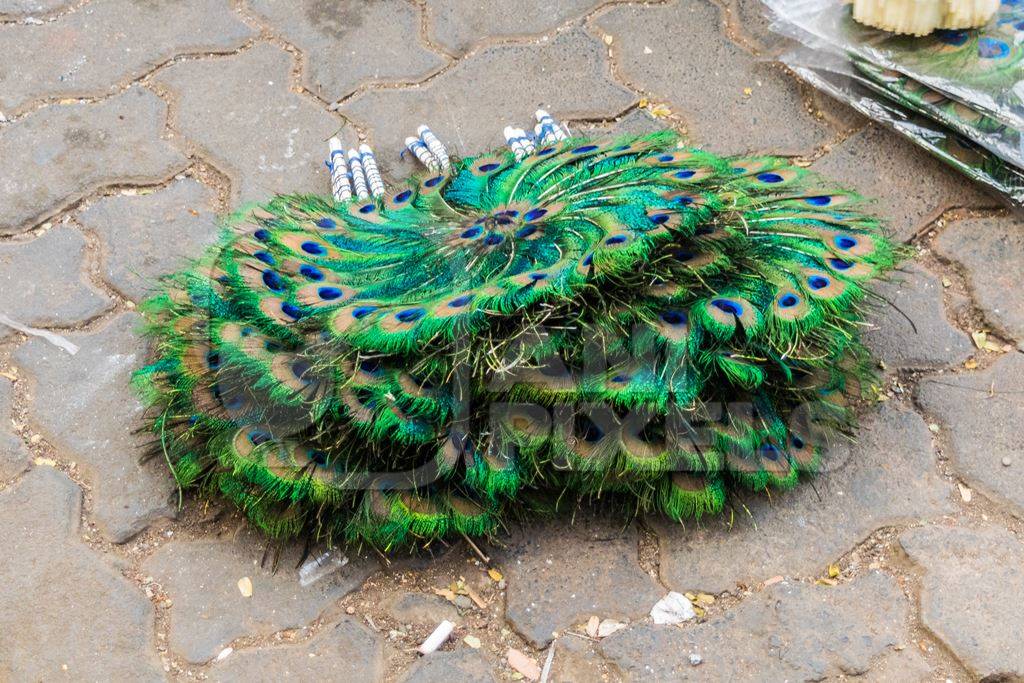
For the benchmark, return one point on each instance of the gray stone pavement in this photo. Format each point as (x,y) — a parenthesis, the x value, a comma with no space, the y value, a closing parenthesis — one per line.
(128,125)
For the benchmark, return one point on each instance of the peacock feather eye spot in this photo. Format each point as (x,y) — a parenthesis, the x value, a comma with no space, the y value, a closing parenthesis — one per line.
(788,300)
(501,219)
(797,441)
(659,218)
(403,196)
(326,223)
(952,37)
(527,231)
(460,301)
(311,272)
(367,208)
(840,264)
(674,317)
(584,149)
(246,331)
(685,174)
(410,315)
(212,360)
(588,259)
(262,235)
(534,214)
(265,256)
(360,312)
(471,233)
(545,151)
(314,248)
(738,170)
(487,168)
(317,456)
(770,178)
(291,310)
(329,293)
(273,281)
(259,436)
(493,239)
(817,282)
(433,182)
(300,368)
(537,277)
(819,200)
(271,346)
(845,242)
(235,403)
(621,379)
(616,239)
(728,306)
(684,200)
(992,48)
(770,451)
(666,158)
(683,255)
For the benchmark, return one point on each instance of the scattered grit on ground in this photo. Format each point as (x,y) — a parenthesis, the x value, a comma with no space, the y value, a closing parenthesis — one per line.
(127,126)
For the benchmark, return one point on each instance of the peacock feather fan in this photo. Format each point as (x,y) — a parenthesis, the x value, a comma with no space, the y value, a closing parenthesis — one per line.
(566,319)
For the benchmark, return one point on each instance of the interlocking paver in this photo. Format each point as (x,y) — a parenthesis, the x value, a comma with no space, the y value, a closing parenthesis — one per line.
(345,651)
(240,111)
(983,412)
(880,164)
(460,24)
(14,456)
(65,614)
(43,283)
(84,406)
(970,596)
(56,156)
(468,106)
(15,8)
(463,665)
(677,51)
(353,43)
(927,339)
(145,236)
(79,56)
(209,611)
(992,251)
(546,593)
(887,477)
(792,631)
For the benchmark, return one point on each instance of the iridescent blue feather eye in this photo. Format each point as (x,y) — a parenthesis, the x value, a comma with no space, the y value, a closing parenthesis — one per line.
(817,282)
(728,306)
(326,223)
(770,178)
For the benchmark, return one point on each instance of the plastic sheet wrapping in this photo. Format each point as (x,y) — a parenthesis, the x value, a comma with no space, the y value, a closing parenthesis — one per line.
(841,80)
(983,68)
(959,94)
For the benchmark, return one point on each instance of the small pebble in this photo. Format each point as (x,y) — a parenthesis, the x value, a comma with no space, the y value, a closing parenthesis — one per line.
(695,660)
(350,610)
(1007,462)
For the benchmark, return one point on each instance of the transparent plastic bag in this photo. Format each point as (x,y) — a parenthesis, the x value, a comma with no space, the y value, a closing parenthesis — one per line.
(982,68)
(837,77)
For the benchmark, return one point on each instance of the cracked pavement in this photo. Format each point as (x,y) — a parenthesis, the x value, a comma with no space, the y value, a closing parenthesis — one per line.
(128,125)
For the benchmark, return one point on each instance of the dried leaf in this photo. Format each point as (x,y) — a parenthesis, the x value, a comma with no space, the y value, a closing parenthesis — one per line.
(827,582)
(495,575)
(592,625)
(245,587)
(705,599)
(608,39)
(608,627)
(965,493)
(979,337)
(833,571)
(475,597)
(772,581)
(523,663)
(472,641)
(445,593)
(970,364)
(48,462)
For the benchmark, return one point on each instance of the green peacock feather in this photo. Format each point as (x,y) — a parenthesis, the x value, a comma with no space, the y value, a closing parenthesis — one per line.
(573,318)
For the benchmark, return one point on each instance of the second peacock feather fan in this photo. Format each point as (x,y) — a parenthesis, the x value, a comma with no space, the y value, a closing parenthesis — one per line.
(514,333)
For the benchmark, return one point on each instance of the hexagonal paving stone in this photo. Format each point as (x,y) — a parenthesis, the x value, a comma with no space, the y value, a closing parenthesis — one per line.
(241,112)
(468,106)
(931,341)
(81,56)
(201,577)
(43,284)
(991,249)
(13,8)
(460,24)
(64,613)
(792,631)
(463,665)
(983,412)
(888,477)
(14,456)
(352,43)
(679,51)
(64,152)
(970,597)
(345,651)
(752,23)
(549,589)
(880,164)
(145,236)
(84,406)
